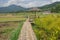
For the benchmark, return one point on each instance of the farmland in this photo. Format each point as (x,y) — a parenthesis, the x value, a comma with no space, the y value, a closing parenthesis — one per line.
(29,19)
(10,27)
(6,28)
(45,26)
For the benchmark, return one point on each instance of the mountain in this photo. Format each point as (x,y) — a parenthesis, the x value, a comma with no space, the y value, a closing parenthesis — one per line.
(54,7)
(12,8)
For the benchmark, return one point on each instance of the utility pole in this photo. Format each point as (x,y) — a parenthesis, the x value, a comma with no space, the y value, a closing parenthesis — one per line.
(51,1)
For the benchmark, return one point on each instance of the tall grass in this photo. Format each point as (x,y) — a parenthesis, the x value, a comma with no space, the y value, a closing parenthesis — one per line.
(47,27)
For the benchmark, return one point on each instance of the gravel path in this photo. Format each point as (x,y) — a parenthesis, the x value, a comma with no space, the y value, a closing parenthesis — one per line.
(27,32)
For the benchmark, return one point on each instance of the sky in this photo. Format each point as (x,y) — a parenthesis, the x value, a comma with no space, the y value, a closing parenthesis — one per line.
(26,3)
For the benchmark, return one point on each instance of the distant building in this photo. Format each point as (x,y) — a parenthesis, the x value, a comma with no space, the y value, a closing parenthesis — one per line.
(34,9)
(9,15)
(47,12)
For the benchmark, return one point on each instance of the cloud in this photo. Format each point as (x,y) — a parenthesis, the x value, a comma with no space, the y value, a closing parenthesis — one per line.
(37,3)
(10,2)
(55,0)
(25,3)
(34,3)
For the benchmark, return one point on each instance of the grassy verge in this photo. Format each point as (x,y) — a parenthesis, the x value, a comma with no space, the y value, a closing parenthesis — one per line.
(15,33)
(36,30)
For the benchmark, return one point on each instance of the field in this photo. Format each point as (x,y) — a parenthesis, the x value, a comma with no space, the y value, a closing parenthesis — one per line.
(10,26)
(47,27)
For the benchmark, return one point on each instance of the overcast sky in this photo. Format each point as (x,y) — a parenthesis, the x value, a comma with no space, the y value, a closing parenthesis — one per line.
(25,3)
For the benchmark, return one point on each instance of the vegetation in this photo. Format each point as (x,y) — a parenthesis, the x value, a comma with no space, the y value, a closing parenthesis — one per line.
(10,27)
(47,27)
(54,7)
(16,32)
(6,28)
(4,19)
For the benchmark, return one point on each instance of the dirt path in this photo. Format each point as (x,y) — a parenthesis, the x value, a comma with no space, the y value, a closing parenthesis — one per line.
(27,32)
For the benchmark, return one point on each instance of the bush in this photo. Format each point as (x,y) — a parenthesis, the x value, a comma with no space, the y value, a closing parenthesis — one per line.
(47,27)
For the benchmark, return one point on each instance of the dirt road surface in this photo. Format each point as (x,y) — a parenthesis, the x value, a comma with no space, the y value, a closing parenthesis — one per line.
(27,32)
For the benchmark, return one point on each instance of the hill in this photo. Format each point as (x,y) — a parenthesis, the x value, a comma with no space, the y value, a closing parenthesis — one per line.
(11,8)
(54,7)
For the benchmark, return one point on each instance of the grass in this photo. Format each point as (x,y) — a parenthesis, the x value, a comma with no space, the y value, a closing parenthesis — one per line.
(42,27)
(4,19)
(10,28)
(6,28)
(15,33)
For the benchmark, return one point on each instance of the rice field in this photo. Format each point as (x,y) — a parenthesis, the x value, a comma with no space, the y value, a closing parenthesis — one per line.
(10,27)
(45,26)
